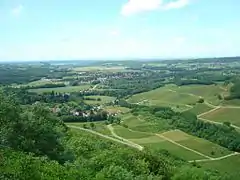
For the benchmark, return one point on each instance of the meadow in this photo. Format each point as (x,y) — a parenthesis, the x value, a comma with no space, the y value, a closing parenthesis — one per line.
(224,115)
(198,144)
(165,97)
(103,100)
(207,92)
(228,165)
(180,98)
(116,109)
(200,108)
(98,127)
(100,68)
(67,89)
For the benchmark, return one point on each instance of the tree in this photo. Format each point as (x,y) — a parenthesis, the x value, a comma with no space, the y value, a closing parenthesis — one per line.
(92,125)
(201,100)
(227,124)
(33,130)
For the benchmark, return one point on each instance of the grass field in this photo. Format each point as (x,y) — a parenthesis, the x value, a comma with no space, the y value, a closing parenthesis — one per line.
(100,68)
(234,102)
(203,146)
(143,123)
(116,109)
(208,92)
(165,97)
(199,109)
(224,115)
(162,144)
(42,82)
(229,165)
(128,134)
(99,127)
(67,89)
(104,100)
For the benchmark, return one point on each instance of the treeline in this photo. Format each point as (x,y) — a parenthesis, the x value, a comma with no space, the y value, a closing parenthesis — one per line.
(223,135)
(49,85)
(193,82)
(25,97)
(18,74)
(234,91)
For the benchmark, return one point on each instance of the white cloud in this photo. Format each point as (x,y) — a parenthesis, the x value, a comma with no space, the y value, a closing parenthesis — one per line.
(115,33)
(179,40)
(17,10)
(176,4)
(137,6)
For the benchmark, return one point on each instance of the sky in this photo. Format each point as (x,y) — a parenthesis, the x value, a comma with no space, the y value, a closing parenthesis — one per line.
(118,29)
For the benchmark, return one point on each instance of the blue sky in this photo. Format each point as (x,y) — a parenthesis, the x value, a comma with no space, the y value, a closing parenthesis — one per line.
(118,29)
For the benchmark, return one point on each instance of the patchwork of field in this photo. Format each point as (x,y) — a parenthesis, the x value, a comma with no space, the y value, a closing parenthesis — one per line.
(198,144)
(129,134)
(165,97)
(180,97)
(200,108)
(228,165)
(116,109)
(43,82)
(173,149)
(208,92)
(98,127)
(99,100)
(143,124)
(67,89)
(224,115)
(100,68)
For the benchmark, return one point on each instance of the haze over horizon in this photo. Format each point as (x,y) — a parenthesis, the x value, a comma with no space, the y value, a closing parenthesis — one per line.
(59,30)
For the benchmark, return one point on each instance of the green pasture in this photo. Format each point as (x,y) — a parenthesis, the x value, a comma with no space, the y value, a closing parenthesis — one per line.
(198,144)
(229,165)
(100,68)
(99,127)
(165,97)
(173,149)
(116,109)
(67,89)
(103,100)
(200,108)
(129,134)
(208,92)
(224,115)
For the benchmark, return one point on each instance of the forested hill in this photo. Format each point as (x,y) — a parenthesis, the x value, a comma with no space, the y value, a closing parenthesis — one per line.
(34,144)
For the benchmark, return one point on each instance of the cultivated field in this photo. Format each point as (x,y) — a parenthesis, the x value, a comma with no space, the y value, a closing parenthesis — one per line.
(208,92)
(200,108)
(165,97)
(66,89)
(99,127)
(203,146)
(229,165)
(103,100)
(129,134)
(100,68)
(143,124)
(224,115)
(116,109)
